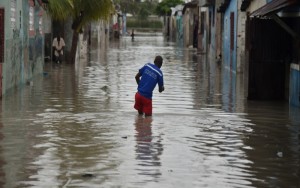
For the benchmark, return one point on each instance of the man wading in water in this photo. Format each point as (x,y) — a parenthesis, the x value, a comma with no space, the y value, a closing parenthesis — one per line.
(147,78)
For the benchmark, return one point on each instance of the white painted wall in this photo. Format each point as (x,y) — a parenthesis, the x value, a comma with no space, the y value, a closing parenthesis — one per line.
(256,4)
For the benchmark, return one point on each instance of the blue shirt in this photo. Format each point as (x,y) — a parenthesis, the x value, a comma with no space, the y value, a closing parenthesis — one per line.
(151,75)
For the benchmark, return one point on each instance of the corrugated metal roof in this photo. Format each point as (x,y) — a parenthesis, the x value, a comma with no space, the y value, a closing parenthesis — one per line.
(273,7)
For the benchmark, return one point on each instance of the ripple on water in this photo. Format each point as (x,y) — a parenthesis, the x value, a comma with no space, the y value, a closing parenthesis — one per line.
(78,128)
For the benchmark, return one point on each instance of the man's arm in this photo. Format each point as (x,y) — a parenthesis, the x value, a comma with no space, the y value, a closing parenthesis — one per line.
(63,44)
(161,88)
(137,78)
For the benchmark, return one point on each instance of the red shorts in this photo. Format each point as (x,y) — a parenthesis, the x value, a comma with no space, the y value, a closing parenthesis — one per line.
(143,104)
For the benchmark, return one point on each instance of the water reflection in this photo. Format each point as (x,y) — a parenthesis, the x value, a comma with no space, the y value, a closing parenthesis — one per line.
(76,127)
(2,161)
(148,148)
(229,91)
(274,143)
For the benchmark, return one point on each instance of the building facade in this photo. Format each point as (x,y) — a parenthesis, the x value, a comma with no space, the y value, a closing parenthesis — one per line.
(273,48)
(259,40)
(21,42)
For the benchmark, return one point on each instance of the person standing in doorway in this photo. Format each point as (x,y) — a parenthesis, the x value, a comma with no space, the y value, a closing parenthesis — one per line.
(147,78)
(58,48)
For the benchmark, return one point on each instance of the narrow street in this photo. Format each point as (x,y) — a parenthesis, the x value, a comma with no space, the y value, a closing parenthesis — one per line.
(75,126)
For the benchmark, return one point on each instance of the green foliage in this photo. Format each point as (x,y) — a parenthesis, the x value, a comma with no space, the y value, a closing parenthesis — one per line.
(129,6)
(82,11)
(145,10)
(138,8)
(164,7)
(144,24)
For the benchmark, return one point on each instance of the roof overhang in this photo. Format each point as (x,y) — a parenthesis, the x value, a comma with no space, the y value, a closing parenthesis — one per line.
(206,3)
(192,4)
(222,5)
(273,7)
(177,10)
(245,4)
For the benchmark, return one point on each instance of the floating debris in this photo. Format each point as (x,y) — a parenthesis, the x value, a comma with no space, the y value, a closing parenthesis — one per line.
(104,88)
(88,175)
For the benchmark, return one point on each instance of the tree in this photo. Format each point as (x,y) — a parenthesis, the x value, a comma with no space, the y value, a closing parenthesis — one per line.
(128,6)
(164,8)
(82,13)
(147,8)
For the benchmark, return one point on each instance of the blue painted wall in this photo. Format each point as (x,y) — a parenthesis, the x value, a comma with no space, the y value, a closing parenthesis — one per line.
(229,56)
(295,87)
(179,29)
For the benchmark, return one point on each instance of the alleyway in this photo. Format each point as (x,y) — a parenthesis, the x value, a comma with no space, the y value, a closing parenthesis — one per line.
(77,127)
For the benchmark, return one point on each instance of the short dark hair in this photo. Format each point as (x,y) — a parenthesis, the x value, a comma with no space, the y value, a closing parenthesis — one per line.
(158,60)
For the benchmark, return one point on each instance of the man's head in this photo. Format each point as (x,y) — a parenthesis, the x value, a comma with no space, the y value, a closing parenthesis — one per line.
(158,61)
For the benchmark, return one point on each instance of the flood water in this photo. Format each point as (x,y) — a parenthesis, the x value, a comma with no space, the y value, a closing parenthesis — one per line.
(75,126)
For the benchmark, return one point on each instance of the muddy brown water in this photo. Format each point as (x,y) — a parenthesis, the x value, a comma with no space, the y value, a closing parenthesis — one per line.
(75,126)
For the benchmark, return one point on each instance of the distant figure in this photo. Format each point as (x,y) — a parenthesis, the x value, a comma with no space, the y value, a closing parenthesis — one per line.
(147,78)
(58,47)
(132,35)
(219,59)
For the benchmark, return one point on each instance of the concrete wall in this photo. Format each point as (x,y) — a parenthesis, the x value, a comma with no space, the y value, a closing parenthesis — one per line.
(187,28)
(213,33)
(256,4)
(241,39)
(203,29)
(99,41)
(189,22)
(24,41)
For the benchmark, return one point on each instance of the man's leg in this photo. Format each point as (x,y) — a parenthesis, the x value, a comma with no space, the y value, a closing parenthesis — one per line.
(61,58)
(138,104)
(56,59)
(147,107)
